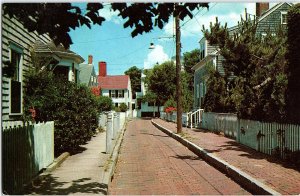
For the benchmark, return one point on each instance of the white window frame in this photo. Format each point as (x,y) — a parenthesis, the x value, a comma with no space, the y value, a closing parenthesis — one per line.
(18,49)
(283,13)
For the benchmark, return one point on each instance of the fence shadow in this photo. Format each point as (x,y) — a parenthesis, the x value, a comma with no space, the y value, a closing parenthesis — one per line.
(50,185)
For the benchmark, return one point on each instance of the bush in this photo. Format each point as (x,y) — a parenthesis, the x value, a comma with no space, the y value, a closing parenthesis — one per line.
(105,103)
(74,109)
(123,107)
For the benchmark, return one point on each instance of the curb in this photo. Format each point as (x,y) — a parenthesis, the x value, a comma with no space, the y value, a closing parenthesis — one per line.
(57,162)
(109,174)
(242,178)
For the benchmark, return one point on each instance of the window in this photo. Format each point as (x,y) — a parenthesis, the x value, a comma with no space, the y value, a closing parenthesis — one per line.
(112,93)
(120,93)
(283,17)
(16,54)
(202,50)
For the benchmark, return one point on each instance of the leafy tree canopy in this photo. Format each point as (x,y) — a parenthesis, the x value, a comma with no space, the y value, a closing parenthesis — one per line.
(57,18)
(135,78)
(161,80)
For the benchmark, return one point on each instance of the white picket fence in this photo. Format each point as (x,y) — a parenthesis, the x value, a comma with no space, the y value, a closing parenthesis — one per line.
(26,150)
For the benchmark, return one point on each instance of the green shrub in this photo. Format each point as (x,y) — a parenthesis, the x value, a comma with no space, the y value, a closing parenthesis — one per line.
(123,107)
(105,103)
(74,109)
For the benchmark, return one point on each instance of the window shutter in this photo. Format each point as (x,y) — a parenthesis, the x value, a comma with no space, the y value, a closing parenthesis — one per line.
(15,103)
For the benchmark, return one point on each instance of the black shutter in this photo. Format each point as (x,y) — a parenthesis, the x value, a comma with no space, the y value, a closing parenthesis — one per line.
(15,95)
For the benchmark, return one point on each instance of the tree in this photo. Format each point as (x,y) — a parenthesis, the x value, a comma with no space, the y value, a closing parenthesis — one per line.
(135,77)
(47,17)
(293,92)
(189,60)
(105,103)
(258,64)
(161,81)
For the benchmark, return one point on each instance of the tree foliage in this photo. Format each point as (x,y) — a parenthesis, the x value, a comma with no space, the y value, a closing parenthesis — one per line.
(293,92)
(58,18)
(105,103)
(74,109)
(135,77)
(258,64)
(161,80)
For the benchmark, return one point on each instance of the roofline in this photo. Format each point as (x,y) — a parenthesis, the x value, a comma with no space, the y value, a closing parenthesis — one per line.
(269,11)
(203,61)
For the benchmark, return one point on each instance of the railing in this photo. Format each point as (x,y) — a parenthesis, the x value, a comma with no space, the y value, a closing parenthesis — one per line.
(26,150)
(194,117)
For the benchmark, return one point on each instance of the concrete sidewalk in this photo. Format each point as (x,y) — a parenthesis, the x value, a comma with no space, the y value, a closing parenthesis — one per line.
(275,174)
(87,172)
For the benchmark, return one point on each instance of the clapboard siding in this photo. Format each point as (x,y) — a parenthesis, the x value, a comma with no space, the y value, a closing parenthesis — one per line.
(13,31)
(210,48)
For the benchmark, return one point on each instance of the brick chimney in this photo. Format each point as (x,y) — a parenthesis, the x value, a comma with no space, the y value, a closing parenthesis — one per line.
(261,8)
(102,68)
(90,59)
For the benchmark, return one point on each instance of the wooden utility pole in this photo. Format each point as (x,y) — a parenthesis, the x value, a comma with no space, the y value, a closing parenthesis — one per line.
(178,78)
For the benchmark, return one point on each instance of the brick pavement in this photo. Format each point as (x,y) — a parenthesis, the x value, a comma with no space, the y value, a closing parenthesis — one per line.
(278,175)
(151,163)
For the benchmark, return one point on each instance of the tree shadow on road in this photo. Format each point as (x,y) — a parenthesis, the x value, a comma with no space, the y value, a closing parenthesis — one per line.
(183,157)
(155,135)
(50,185)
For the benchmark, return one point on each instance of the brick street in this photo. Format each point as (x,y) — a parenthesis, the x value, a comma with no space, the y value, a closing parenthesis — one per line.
(150,162)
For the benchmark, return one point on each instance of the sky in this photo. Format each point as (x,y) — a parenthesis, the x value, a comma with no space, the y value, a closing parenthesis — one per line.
(113,44)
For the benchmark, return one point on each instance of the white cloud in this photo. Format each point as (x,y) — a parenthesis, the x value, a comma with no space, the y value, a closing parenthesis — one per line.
(157,55)
(110,15)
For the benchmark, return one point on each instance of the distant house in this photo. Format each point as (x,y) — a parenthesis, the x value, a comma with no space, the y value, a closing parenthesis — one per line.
(87,74)
(63,62)
(117,87)
(268,19)
(17,47)
(144,109)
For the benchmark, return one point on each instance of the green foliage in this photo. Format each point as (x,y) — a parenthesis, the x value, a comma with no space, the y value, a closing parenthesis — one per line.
(189,60)
(74,109)
(257,90)
(149,97)
(170,103)
(161,80)
(187,93)
(123,107)
(293,92)
(135,78)
(104,103)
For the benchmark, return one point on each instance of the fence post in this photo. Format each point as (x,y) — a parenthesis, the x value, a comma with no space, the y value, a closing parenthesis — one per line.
(109,132)
(115,125)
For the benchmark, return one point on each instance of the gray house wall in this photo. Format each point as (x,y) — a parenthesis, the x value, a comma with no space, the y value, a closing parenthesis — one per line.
(15,35)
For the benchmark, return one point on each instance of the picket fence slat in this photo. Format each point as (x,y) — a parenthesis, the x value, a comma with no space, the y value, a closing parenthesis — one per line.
(26,150)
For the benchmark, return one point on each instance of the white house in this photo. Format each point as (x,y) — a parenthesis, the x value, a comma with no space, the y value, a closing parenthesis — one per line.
(117,87)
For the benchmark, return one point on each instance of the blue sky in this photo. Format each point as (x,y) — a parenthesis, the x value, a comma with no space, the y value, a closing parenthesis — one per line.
(113,44)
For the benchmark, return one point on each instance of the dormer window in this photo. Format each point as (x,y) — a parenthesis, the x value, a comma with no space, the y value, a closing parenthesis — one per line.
(283,17)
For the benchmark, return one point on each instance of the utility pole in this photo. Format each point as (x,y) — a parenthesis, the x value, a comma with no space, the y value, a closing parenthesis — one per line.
(178,78)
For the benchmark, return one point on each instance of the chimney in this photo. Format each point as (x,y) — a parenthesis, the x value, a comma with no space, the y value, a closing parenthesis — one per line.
(90,59)
(261,8)
(102,68)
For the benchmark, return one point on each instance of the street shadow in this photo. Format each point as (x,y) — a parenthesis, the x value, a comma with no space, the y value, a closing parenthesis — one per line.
(253,154)
(49,185)
(189,157)
(155,135)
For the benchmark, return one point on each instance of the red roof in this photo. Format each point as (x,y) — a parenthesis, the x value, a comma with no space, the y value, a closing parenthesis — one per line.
(113,82)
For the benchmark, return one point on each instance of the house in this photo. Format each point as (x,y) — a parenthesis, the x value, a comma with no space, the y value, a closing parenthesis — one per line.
(144,109)
(117,87)
(17,47)
(87,74)
(268,19)
(63,62)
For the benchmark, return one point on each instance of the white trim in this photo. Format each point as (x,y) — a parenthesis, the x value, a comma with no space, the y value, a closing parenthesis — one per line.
(283,13)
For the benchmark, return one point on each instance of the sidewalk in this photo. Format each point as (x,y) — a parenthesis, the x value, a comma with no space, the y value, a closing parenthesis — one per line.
(276,174)
(83,173)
